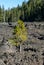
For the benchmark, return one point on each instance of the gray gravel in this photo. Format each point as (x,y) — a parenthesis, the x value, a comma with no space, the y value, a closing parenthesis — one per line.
(32,49)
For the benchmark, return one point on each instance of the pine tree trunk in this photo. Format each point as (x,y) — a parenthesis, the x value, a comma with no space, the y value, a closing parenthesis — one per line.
(20,51)
(20,48)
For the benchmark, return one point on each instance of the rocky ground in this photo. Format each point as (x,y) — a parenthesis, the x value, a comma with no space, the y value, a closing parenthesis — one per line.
(32,50)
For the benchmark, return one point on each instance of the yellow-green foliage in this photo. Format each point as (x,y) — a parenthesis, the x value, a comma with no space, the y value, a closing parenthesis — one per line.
(20,33)
(12,41)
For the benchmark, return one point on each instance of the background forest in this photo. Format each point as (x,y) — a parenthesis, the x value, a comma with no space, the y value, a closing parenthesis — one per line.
(30,11)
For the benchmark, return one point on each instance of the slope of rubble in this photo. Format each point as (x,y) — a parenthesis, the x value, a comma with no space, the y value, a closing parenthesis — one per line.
(32,50)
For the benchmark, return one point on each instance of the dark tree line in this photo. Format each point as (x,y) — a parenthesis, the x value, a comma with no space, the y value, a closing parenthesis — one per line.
(33,10)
